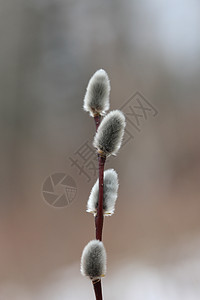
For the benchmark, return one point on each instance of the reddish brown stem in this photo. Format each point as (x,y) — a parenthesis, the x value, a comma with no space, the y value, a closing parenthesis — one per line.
(99,216)
(97,120)
(98,290)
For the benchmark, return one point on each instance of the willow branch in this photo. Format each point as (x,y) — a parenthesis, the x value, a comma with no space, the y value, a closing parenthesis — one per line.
(97,120)
(99,216)
(98,290)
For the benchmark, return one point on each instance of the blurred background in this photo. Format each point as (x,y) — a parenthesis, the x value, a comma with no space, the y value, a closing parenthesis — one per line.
(151,52)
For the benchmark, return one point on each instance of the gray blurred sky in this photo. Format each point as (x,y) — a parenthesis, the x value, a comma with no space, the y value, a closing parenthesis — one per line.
(49,50)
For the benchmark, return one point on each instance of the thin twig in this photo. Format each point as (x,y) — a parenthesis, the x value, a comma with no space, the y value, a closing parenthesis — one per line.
(98,290)
(99,216)
(97,120)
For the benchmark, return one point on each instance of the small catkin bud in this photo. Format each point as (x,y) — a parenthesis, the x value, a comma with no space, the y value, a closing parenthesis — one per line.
(110,190)
(93,260)
(110,133)
(96,100)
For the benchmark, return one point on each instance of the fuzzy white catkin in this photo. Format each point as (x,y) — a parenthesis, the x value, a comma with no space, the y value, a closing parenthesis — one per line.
(96,99)
(93,260)
(109,135)
(110,190)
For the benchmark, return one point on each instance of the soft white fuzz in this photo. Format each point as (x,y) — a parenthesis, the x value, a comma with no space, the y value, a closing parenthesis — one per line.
(96,99)
(110,189)
(93,260)
(110,133)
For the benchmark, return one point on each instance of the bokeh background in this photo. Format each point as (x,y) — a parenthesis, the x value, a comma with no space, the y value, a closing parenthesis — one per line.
(49,50)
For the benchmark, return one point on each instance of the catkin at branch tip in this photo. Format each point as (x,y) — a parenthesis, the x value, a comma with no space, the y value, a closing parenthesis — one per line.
(110,133)
(96,99)
(93,260)
(110,190)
